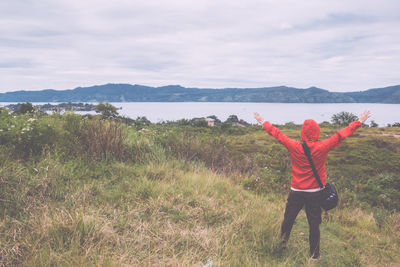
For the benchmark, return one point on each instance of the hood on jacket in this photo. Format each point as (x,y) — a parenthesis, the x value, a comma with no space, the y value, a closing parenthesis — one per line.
(310,131)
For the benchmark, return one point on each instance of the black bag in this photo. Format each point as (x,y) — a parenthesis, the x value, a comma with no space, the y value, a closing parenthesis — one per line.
(329,195)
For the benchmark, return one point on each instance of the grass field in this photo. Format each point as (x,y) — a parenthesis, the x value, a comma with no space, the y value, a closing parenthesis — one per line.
(98,193)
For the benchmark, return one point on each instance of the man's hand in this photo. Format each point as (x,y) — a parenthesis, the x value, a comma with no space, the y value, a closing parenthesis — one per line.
(259,118)
(365,115)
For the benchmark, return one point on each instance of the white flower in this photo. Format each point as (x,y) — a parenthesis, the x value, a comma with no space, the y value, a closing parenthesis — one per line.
(31,119)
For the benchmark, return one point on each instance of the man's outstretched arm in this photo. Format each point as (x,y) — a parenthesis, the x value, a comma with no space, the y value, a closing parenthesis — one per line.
(275,132)
(337,138)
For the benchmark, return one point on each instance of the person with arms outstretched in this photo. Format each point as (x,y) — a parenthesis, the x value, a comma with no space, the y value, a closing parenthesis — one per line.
(304,188)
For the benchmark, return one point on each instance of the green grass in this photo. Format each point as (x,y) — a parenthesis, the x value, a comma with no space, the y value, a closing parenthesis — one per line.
(175,214)
(150,203)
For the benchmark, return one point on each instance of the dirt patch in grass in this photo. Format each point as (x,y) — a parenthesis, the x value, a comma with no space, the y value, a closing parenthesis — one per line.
(395,135)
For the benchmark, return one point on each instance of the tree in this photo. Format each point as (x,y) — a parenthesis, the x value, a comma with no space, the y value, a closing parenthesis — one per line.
(107,110)
(140,122)
(373,124)
(232,119)
(199,122)
(25,108)
(343,118)
(213,117)
(243,122)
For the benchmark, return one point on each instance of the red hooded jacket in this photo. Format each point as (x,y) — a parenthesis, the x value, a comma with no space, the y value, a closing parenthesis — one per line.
(302,174)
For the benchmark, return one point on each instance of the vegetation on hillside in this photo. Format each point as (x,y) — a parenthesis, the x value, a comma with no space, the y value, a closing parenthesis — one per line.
(89,191)
(177,93)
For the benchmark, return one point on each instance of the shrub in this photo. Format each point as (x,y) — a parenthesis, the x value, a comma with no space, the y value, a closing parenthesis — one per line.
(25,135)
(183,122)
(291,125)
(200,122)
(373,124)
(325,124)
(382,191)
(103,138)
(107,110)
(213,117)
(232,119)
(141,122)
(97,139)
(24,108)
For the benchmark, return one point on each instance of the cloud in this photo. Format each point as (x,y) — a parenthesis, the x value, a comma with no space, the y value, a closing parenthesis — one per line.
(337,45)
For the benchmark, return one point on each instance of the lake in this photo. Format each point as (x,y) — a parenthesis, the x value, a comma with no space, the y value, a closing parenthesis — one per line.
(278,113)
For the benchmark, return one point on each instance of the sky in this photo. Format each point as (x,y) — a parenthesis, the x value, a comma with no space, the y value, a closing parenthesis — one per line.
(336,45)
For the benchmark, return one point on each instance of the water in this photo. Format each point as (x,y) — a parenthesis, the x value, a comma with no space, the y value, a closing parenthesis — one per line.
(278,113)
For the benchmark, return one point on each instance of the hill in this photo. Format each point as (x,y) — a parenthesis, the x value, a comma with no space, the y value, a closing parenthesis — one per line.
(176,93)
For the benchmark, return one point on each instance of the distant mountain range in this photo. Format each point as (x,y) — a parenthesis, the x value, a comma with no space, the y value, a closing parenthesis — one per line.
(177,93)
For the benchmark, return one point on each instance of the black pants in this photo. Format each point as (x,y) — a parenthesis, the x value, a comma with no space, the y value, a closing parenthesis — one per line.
(295,203)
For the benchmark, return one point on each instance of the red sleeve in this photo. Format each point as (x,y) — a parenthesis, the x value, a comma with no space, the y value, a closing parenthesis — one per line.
(338,137)
(278,135)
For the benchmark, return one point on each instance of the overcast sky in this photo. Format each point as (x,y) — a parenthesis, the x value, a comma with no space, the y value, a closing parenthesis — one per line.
(341,45)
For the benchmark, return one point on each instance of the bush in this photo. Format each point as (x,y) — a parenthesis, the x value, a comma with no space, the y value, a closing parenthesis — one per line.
(107,110)
(232,119)
(373,124)
(25,135)
(97,139)
(213,117)
(141,122)
(200,122)
(325,124)
(291,125)
(24,108)
(382,191)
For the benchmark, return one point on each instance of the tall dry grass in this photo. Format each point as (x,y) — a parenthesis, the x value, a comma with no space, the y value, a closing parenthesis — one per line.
(102,139)
(170,213)
(170,201)
(213,151)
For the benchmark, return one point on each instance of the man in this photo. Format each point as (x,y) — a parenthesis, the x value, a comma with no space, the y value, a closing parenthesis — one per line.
(305,189)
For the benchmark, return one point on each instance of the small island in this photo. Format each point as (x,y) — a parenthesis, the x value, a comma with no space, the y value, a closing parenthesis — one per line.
(58,107)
